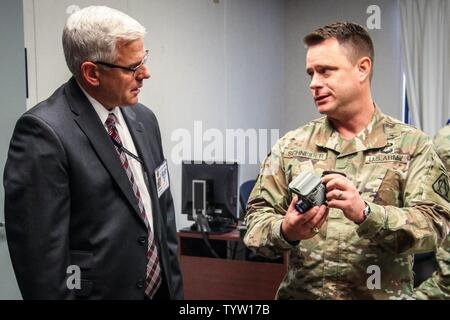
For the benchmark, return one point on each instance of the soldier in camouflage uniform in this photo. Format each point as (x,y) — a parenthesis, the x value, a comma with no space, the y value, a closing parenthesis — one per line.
(438,285)
(392,203)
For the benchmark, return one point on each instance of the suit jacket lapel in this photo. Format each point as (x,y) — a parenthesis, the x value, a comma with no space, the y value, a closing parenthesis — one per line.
(144,148)
(89,122)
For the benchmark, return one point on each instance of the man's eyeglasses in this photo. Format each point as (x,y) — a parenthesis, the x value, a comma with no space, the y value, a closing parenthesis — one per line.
(131,69)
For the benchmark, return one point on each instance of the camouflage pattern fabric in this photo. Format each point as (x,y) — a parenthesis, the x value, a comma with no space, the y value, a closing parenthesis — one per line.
(438,285)
(396,171)
(442,145)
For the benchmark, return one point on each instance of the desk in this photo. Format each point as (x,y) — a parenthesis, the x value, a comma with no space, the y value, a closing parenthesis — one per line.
(209,278)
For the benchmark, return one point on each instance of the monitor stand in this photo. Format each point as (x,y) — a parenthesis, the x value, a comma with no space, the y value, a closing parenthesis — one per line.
(202,225)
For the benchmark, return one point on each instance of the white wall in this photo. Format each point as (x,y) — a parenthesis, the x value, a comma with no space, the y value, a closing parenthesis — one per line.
(303,16)
(12,105)
(229,63)
(221,63)
(44,21)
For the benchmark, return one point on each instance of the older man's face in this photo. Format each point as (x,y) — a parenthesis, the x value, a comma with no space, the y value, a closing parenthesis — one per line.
(119,87)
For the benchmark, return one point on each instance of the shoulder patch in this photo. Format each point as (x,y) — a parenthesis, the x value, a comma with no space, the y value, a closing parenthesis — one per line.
(442,187)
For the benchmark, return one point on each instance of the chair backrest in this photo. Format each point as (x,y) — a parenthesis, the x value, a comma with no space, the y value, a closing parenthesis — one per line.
(244,192)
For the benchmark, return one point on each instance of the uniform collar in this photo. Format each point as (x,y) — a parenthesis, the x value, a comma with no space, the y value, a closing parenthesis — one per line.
(372,137)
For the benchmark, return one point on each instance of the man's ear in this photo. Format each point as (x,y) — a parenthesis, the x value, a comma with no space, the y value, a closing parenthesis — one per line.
(364,68)
(90,73)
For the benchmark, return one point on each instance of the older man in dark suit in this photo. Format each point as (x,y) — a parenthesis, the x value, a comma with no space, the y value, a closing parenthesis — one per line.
(85,216)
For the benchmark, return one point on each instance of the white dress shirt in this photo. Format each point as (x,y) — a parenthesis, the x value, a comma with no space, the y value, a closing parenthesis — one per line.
(127,142)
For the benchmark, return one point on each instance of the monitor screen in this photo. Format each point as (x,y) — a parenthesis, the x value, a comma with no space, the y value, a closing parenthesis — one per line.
(211,189)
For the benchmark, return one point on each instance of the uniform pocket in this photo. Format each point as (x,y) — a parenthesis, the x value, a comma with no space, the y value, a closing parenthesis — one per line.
(389,191)
(296,166)
(381,183)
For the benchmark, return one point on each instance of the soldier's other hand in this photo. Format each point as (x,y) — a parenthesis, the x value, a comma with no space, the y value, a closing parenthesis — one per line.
(297,226)
(342,194)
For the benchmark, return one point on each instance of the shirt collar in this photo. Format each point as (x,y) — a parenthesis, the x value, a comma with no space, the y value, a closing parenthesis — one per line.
(102,112)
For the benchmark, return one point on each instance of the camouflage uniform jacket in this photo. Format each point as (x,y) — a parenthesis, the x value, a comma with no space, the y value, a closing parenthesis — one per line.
(438,285)
(405,184)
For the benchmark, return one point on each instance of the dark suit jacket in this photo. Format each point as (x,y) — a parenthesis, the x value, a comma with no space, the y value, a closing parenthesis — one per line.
(68,201)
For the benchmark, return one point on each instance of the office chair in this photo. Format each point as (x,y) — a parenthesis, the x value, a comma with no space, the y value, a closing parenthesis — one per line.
(244,192)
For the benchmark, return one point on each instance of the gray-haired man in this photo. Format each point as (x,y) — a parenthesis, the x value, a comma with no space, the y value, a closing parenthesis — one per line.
(84,216)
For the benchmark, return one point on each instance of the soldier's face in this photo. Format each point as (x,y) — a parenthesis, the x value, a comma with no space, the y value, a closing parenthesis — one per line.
(334,77)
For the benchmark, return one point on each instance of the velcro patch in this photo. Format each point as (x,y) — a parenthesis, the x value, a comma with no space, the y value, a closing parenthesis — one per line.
(442,187)
(306,154)
(381,157)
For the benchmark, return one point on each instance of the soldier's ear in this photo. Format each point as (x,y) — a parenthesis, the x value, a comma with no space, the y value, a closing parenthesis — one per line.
(364,65)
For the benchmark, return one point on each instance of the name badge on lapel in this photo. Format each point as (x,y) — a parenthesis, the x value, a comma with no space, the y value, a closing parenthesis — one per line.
(162,178)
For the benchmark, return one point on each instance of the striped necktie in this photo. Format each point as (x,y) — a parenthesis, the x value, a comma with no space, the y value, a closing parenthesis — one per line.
(153,274)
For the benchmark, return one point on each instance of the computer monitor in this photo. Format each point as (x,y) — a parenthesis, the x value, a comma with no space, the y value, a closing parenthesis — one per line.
(210,195)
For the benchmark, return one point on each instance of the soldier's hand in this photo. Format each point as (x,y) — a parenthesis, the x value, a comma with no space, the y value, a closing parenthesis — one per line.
(342,194)
(297,226)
